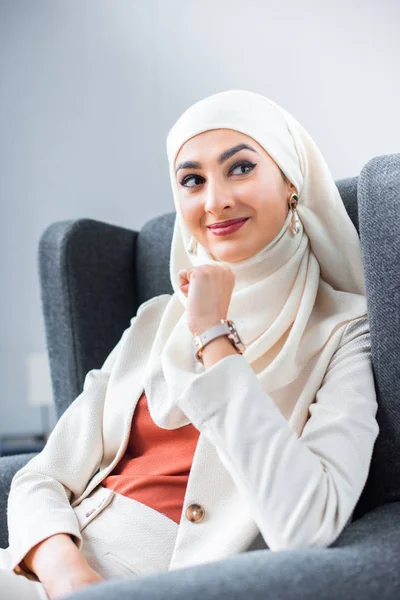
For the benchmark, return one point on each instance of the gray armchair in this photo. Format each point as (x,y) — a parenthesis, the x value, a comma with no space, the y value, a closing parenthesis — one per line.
(94,276)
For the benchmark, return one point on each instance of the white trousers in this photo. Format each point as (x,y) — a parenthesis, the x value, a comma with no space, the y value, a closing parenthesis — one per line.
(109,524)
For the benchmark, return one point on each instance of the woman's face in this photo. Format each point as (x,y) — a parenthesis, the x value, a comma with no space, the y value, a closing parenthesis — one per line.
(227,184)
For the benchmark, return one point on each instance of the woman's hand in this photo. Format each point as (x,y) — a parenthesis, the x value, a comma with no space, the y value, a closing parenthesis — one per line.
(59,565)
(209,291)
(66,580)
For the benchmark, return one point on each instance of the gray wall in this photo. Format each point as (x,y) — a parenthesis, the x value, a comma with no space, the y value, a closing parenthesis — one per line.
(90,88)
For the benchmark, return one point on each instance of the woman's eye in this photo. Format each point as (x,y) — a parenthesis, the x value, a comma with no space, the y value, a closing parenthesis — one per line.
(188,178)
(241,165)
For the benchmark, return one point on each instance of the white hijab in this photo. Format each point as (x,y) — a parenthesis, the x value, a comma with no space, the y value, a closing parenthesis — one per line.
(292,300)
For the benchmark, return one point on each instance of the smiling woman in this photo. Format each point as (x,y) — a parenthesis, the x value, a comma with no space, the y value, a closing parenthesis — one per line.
(185,445)
(223,175)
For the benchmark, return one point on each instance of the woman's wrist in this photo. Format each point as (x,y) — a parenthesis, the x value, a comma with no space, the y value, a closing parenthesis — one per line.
(216,350)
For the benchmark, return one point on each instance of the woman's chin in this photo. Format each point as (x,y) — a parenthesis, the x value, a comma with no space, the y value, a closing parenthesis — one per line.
(229,257)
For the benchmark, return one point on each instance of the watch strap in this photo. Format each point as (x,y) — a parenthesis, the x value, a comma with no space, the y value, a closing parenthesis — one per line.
(225,327)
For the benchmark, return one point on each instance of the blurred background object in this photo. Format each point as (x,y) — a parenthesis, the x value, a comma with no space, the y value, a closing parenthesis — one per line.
(40,394)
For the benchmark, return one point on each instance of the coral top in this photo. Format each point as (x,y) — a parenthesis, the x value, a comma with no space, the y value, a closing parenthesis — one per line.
(155,467)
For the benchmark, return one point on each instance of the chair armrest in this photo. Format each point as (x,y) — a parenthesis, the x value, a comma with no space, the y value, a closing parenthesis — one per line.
(9,465)
(87,275)
(362,563)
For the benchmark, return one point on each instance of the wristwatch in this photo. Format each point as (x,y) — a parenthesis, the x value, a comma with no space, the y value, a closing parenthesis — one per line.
(225,327)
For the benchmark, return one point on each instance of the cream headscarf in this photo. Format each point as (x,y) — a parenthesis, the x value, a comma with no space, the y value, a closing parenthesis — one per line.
(292,300)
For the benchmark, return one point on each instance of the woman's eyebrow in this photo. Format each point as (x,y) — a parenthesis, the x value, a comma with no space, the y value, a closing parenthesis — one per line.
(190,164)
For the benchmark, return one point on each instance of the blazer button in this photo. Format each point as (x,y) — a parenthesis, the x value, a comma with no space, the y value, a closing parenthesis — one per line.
(90,512)
(195,513)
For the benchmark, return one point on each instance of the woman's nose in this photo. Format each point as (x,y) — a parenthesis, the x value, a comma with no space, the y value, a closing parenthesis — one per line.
(217,197)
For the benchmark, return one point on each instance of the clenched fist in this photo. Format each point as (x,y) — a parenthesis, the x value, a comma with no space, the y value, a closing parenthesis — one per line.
(208,289)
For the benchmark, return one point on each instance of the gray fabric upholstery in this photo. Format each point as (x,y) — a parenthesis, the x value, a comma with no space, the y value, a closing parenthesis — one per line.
(379,212)
(88,291)
(94,276)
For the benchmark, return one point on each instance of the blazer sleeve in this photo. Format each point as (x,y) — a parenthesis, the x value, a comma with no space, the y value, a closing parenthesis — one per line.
(40,493)
(301,491)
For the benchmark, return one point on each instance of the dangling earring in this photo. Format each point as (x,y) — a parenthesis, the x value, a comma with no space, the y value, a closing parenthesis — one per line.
(192,245)
(295,221)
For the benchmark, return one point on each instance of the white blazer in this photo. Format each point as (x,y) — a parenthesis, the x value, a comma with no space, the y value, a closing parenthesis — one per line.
(260,483)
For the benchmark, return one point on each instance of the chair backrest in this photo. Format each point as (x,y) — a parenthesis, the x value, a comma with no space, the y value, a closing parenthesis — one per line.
(379,215)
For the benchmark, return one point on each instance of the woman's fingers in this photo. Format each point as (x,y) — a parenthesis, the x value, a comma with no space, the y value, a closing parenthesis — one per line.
(184,281)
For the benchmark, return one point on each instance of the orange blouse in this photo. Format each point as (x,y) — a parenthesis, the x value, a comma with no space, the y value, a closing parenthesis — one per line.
(155,467)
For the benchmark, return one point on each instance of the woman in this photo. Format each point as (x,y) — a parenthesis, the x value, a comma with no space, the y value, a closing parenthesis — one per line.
(238,412)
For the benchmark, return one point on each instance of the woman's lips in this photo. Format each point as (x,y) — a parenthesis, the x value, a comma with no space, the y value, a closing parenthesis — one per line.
(228,228)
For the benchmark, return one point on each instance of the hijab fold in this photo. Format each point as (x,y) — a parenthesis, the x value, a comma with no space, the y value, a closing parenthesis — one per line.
(291,300)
